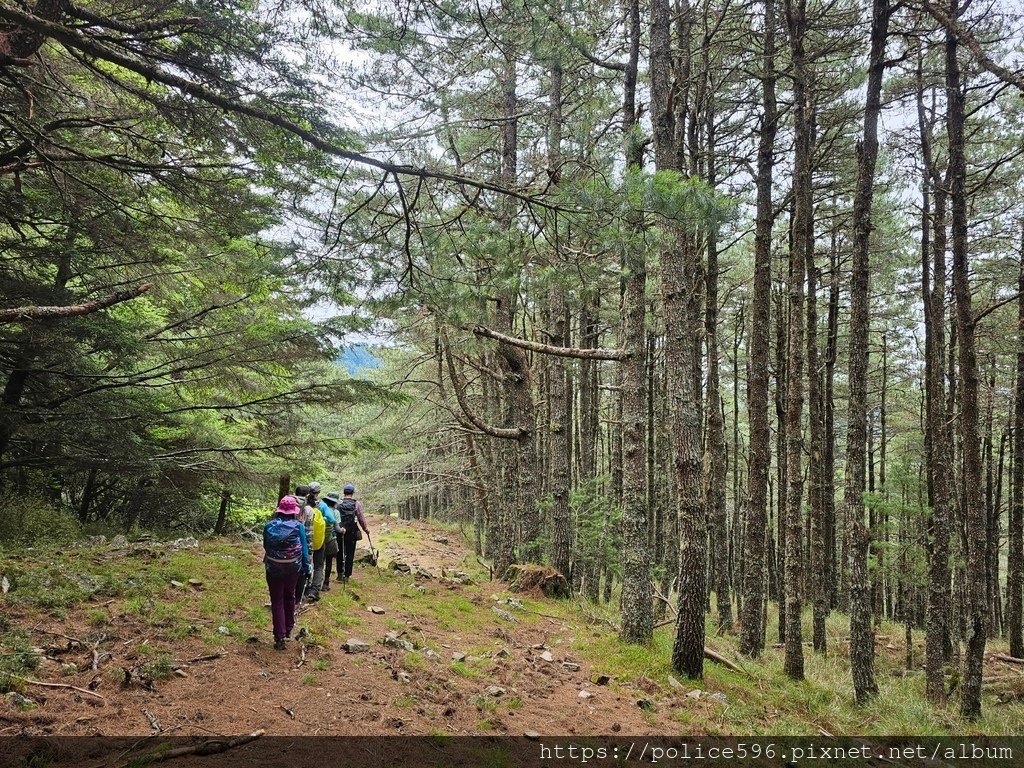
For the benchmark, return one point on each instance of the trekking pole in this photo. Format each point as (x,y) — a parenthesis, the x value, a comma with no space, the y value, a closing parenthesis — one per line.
(344,577)
(373,554)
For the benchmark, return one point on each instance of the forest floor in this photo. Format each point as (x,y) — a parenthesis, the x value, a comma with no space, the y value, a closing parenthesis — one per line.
(175,639)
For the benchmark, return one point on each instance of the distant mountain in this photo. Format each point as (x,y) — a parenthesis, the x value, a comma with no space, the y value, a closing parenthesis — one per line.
(358,357)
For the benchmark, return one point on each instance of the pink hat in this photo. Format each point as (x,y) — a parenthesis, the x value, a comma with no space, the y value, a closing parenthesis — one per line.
(287,506)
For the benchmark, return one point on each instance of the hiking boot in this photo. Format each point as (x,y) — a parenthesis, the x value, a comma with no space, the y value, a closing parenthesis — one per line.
(325,588)
(279,644)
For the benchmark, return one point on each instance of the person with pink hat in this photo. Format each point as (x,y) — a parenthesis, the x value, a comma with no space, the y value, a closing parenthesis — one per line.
(286,555)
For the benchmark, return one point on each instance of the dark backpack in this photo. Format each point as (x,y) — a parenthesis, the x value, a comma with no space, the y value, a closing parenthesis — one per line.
(346,513)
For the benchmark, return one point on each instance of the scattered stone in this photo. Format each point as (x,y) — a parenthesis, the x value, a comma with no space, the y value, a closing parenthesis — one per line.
(403,676)
(252,639)
(546,656)
(504,615)
(674,683)
(439,539)
(430,653)
(354,645)
(586,695)
(462,578)
(570,666)
(399,566)
(539,647)
(720,697)
(616,727)
(223,630)
(532,735)
(176,584)
(362,555)
(195,583)
(303,633)
(645,704)
(6,584)
(375,609)
(394,641)
(600,679)
(119,542)
(495,690)
(181,673)
(97,541)
(694,694)
(458,656)
(188,542)
(502,654)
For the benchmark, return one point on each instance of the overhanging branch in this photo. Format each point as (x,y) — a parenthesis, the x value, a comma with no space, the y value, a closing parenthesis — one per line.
(85,43)
(29,314)
(548,349)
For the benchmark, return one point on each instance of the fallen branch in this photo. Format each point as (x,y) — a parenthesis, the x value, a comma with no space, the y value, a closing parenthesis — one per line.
(662,598)
(720,659)
(153,722)
(490,570)
(208,747)
(21,314)
(60,685)
(1007,658)
(197,659)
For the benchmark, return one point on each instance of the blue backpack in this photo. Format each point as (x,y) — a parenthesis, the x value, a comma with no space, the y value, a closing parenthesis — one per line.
(282,545)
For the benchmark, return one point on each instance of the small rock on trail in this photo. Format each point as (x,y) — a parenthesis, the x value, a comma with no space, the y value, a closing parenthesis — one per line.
(355,645)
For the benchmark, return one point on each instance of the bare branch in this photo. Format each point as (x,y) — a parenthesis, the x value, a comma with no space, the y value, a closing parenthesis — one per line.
(28,314)
(548,349)
(459,386)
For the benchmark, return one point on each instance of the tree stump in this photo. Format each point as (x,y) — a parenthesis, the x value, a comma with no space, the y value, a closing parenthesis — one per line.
(541,579)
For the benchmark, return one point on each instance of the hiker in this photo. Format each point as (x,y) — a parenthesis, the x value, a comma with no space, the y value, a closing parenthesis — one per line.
(286,556)
(317,542)
(349,513)
(305,517)
(327,509)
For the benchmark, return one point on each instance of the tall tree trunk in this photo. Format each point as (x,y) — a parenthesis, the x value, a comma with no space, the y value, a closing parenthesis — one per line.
(800,234)
(939,598)
(755,525)
(976,527)
(1015,545)
(818,573)
(715,450)
(637,607)
(862,643)
(560,426)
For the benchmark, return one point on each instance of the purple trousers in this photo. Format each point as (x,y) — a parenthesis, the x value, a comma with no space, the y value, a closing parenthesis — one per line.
(282,601)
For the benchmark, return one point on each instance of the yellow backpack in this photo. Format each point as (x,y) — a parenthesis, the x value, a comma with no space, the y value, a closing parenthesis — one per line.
(319,528)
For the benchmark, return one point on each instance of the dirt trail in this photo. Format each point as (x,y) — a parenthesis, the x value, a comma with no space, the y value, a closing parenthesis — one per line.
(519,673)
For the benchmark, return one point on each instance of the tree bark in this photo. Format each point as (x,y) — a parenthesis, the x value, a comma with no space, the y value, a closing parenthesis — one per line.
(976,527)
(800,233)
(1015,544)
(637,607)
(755,524)
(862,644)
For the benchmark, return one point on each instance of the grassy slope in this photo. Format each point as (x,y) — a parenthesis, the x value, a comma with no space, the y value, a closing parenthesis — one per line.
(98,593)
